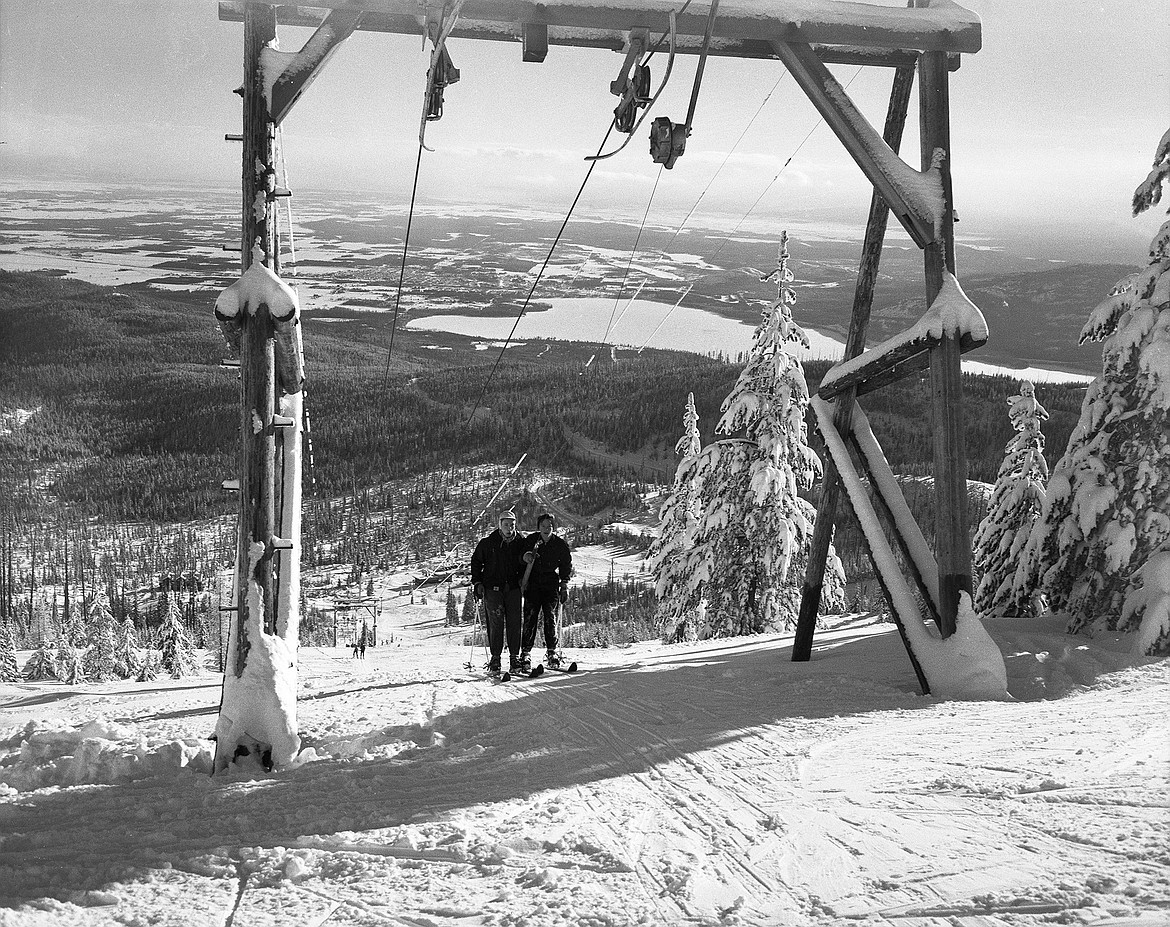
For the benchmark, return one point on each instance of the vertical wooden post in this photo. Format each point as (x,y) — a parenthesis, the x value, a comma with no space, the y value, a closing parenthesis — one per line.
(871,253)
(257,353)
(953,547)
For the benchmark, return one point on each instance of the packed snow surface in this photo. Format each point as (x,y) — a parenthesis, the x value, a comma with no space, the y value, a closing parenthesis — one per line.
(711,783)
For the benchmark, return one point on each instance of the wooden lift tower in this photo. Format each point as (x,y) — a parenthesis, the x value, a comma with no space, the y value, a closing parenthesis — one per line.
(926,38)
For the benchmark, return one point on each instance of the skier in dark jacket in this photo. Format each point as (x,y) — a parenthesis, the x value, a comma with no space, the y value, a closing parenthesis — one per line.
(547,587)
(495,575)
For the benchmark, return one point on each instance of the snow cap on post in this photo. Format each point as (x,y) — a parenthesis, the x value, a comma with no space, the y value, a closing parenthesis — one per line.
(260,286)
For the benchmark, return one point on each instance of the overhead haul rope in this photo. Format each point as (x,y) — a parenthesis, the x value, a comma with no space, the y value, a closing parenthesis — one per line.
(402,268)
(630,262)
(751,208)
(447,24)
(686,219)
(536,282)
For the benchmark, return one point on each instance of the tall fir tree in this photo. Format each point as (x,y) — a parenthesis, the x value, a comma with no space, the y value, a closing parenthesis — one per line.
(128,659)
(1015,505)
(177,655)
(67,663)
(752,529)
(679,603)
(100,661)
(452,608)
(1108,508)
(468,608)
(9,671)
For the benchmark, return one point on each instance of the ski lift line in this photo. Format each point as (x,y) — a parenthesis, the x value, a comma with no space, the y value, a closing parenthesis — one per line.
(496,495)
(795,152)
(402,269)
(540,274)
(723,163)
(727,237)
(665,317)
(633,298)
(633,253)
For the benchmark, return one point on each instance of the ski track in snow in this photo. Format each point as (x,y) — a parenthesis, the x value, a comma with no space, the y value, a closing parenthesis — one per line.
(712,783)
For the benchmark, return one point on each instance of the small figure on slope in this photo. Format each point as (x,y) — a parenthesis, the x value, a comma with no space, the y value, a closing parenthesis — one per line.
(1107,513)
(1016,502)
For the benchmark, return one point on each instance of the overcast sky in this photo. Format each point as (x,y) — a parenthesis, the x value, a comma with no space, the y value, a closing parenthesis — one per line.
(1054,122)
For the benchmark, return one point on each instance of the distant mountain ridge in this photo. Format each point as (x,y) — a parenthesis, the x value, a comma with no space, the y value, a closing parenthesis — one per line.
(349,259)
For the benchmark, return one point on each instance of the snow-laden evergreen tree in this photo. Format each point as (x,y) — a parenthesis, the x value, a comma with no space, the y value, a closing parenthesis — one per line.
(43,662)
(150,667)
(67,663)
(214,630)
(9,671)
(128,660)
(452,608)
(177,655)
(679,604)
(1015,504)
(752,530)
(469,608)
(1108,506)
(100,660)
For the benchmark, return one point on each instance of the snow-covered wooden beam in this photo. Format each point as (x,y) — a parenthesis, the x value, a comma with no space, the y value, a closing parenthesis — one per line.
(914,197)
(871,255)
(903,605)
(943,26)
(951,315)
(915,550)
(260,287)
(298,70)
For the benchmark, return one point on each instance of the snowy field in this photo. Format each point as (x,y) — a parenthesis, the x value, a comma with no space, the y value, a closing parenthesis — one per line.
(713,783)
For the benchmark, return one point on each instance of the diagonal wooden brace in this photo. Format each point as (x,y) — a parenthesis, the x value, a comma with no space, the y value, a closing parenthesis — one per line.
(303,67)
(899,184)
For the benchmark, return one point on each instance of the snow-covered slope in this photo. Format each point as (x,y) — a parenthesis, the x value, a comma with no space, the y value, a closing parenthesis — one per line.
(711,783)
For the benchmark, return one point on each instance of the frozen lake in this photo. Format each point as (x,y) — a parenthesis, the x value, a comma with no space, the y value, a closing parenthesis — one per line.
(653,324)
(587,318)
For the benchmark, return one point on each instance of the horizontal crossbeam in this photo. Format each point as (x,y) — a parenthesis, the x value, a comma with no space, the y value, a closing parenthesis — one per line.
(743,27)
(889,367)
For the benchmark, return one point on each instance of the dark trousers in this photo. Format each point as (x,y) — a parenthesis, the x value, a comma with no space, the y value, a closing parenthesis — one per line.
(538,602)
(503,619)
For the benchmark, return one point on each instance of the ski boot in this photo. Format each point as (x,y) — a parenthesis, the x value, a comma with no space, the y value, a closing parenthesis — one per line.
(514,665)
(493,666)
(525,662)
(553,660)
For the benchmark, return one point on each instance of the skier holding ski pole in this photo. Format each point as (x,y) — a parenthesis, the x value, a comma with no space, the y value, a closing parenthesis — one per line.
(546,586)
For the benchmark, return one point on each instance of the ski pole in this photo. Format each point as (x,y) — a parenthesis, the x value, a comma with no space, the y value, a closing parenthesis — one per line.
(481,621)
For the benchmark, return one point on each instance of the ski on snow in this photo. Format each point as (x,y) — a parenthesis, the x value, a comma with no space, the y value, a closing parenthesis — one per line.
(570,668)
(507,676)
